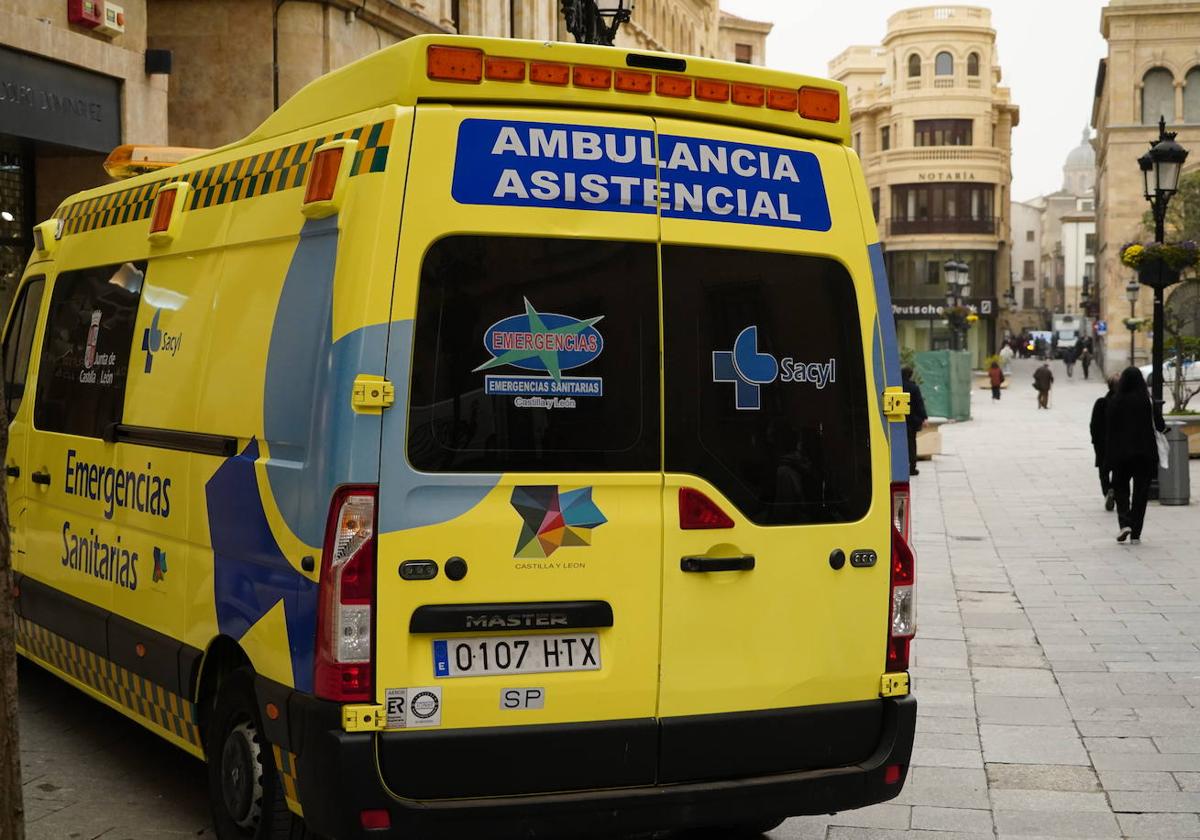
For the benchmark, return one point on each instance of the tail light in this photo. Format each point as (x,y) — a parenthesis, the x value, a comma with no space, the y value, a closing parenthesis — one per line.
(902,612)
(698,512)
(347,598)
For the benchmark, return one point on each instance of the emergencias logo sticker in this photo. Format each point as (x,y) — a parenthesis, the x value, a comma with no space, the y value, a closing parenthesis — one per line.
(553,520)
(588,167)
(748,369)
(544,342)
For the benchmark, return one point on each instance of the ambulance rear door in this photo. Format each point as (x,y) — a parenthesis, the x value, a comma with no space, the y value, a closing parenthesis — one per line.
(773,645)
(519,501)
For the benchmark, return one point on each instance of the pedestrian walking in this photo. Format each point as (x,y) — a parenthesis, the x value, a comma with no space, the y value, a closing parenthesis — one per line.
(1085,359)
(917,415)
(1099,430)
(1131,452)
(1006,357)
(1068,356)
(1043,380)
(996,377)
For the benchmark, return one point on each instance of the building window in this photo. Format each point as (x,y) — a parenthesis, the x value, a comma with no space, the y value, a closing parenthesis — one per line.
(1089,244)
(943,65)
(973,64)
(942,208)
(1027,271)
(942,132)
(1191,96)
(1158,96)
(918,275)
(743,53)
(1028,236)
(914,66)
(858,142)
(1087,204)
(1027,298)
(875,202)
(885,138)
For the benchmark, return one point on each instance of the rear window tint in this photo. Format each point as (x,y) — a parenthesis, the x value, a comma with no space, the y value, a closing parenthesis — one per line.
(536,354)
(765,388)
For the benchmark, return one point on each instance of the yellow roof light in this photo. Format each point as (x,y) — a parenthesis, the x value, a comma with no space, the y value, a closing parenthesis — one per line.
(131,159)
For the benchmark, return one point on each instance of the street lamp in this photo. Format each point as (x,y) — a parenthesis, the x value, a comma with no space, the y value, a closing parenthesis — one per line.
(1160,180)
(1132,290)
(596,21)
(957,289)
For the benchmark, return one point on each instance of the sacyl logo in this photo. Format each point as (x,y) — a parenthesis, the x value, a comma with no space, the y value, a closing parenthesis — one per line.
(749,369)
(155,340)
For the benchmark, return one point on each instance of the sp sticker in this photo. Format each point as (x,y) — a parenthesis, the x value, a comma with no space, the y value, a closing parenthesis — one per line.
(411,708)
(512,699)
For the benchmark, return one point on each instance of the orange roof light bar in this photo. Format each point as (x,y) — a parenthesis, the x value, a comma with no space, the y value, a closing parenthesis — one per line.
(597,78)
(679,87)
(711,90)
(549,73)
(783,100)
(503,69)
(752,96)
(634,81)
(821,104)
(454,64)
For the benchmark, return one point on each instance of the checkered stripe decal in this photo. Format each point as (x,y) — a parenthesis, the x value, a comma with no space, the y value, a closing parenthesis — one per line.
(268,172)
(145,699)
(285,763)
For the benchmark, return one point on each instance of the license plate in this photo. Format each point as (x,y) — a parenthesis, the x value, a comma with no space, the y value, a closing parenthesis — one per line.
(516,655)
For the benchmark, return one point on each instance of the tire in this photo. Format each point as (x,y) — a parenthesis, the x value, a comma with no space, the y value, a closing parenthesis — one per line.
(244,790)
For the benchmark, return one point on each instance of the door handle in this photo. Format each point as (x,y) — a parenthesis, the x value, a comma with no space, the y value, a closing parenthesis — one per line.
(12,471)
(744,563)
(40,477)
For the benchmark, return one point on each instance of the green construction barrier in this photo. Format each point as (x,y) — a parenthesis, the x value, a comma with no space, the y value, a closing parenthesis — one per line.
(946,383)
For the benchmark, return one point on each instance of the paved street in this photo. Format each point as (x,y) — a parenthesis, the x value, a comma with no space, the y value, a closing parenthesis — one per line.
(1058,672)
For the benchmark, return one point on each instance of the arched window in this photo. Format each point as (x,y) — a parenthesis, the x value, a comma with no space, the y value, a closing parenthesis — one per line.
(1191,96)
(943,65)
(973,64)
(914,66)
(1158,96)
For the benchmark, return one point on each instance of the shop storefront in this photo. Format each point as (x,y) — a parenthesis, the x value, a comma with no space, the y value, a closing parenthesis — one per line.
(56,121)
(918,286)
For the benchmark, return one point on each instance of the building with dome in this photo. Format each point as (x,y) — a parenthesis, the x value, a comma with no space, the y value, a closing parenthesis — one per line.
(933,126)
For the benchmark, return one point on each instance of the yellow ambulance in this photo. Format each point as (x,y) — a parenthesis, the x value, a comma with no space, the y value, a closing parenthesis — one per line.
(504,439)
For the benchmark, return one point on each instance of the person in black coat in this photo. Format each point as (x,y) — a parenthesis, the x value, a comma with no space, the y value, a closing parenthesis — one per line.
(1131,451)
(917,415)
(1099,430)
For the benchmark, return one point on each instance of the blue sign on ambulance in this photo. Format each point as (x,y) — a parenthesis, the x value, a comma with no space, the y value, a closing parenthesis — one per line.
(585,167)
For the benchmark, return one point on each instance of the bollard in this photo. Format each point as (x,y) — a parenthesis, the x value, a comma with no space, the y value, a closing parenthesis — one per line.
(1174,487)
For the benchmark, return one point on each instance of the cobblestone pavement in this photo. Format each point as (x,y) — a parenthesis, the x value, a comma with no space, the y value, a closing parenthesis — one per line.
(1058,673)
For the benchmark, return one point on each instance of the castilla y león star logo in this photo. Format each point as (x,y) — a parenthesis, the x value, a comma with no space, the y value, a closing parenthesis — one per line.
(554,520)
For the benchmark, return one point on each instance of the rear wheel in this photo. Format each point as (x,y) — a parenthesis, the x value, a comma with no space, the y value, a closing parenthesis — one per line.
(244,790)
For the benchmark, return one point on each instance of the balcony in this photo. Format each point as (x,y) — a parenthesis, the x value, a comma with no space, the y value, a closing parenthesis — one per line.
(906,227)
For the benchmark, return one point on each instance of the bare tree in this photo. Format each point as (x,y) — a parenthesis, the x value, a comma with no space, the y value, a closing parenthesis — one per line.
(12,809)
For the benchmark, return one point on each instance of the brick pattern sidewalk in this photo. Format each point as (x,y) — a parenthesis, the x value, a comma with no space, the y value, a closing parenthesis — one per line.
(1057,672)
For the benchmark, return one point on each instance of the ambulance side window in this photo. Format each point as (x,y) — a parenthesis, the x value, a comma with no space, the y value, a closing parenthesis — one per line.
(18,343)
(87,349)
(765,388)
(535,354)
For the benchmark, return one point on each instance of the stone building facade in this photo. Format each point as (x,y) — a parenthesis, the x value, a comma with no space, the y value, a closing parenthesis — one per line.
(933,126)
(68,94)
(1152,69)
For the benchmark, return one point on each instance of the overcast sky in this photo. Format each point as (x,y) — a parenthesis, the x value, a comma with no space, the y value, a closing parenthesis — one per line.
(1048,49)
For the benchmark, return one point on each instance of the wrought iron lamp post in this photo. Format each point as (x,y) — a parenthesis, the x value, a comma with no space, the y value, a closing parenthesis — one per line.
(1160,167)
(596,21)
(957,290)
(1132,290)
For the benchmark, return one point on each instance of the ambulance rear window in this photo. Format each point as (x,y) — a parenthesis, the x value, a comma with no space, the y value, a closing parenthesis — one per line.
(536,354)
(766,393)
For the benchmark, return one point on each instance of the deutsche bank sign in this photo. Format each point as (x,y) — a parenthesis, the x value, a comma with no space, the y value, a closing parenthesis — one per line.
(584,167)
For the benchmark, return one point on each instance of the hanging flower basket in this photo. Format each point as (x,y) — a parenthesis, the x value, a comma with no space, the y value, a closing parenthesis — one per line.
(1159,264)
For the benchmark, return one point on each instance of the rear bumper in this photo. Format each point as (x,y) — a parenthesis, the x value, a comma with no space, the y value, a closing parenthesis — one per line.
(340,775)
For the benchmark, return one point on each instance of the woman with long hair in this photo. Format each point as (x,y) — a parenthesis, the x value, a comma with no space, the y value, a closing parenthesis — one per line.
(1131,451)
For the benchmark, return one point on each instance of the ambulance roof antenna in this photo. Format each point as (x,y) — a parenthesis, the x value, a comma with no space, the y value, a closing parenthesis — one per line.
(596,21)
